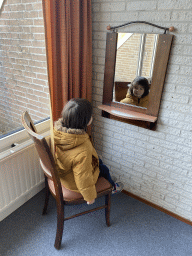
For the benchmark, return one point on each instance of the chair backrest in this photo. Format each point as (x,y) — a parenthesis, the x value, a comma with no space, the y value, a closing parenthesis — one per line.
(121,89)
(29,122)
(44,152)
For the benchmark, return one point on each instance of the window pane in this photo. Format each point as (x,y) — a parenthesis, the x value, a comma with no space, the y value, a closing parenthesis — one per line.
(149,50)
(23,67)
(127,56)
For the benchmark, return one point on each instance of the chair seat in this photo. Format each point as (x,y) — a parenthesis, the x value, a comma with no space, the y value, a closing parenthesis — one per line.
(68,195)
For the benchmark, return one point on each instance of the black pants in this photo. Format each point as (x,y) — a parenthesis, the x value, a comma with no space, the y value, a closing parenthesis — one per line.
(104,172)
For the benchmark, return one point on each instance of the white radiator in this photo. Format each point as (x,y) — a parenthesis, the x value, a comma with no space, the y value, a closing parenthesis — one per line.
(21,177)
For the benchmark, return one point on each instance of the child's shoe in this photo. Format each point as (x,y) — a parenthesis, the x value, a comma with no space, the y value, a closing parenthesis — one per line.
(119,187)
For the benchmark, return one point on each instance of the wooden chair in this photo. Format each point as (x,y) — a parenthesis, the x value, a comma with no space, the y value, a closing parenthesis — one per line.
(121,89)
(53,185)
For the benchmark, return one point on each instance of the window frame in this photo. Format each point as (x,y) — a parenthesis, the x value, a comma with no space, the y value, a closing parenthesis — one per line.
(21,136)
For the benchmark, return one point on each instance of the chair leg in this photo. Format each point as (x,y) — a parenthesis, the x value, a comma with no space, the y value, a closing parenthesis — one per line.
(47,193)
(60,225)
(107,209)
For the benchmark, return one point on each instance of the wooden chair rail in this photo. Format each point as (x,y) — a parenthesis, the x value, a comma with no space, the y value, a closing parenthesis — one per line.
(82,213)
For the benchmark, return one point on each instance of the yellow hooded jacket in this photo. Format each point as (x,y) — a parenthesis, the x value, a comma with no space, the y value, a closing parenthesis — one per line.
(133,100)
(76,160)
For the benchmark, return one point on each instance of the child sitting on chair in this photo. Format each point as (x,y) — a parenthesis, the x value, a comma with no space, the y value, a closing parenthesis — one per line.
(138,92)
(77,162)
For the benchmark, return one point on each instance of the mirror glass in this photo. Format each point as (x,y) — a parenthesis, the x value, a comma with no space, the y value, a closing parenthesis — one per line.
(134,60)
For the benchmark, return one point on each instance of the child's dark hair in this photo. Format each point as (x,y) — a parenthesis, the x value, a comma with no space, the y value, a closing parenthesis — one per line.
(76,114)
(141,81)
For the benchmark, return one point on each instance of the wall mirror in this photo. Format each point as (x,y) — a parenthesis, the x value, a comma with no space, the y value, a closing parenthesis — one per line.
(134,58)
(129,56)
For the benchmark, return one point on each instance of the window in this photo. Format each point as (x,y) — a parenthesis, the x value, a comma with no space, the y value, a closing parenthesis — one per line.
(23,67)
(135,56)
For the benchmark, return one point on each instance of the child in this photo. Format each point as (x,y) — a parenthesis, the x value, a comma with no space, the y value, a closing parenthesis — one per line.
(77,162)
(138,93)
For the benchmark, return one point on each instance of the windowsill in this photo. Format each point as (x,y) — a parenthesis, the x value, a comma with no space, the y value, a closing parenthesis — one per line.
(20,146)
(127,114)
(21,136)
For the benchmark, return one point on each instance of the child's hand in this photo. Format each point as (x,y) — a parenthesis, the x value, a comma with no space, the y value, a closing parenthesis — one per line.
(91,202)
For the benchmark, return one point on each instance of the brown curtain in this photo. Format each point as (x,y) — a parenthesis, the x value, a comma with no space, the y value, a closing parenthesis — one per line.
(68,32)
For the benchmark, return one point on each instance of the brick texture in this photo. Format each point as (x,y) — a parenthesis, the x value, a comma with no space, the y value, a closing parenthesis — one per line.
(23,70)
(155,165)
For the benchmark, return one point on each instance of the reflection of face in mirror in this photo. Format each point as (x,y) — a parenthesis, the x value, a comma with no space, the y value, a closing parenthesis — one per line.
(138,93)
(134,58)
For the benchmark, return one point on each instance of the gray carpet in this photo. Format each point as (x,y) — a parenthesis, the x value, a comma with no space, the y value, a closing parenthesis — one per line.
(136,230)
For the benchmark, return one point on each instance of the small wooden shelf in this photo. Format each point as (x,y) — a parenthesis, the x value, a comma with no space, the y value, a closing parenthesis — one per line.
(128,114)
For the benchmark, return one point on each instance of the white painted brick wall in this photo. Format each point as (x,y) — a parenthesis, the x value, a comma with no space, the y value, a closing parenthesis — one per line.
(155,165)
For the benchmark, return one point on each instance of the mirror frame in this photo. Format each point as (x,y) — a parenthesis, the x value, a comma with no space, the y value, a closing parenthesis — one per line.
(145,117)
